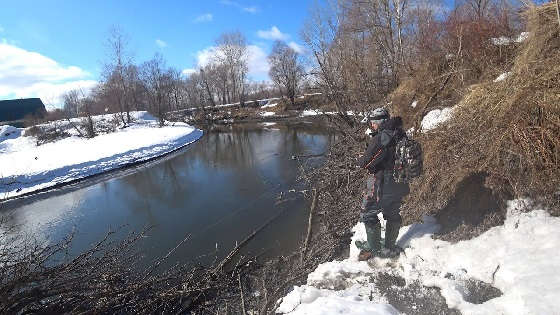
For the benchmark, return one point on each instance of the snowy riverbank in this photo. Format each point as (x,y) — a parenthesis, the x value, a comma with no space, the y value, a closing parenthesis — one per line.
(517,259)
(26,167)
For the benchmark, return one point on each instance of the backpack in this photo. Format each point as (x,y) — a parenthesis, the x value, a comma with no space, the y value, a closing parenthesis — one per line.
(408,160)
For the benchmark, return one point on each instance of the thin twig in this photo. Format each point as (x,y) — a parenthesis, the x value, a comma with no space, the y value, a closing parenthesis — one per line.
(241,292)
(309,222)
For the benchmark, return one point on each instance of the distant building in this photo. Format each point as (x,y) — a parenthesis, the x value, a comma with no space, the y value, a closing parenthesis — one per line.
(13,112)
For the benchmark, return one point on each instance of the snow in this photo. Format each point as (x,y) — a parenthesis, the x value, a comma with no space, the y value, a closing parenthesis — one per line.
(504,41)
(522,37)
(413,105)
(502,76)
(8,132)
(310,301)
(268,124)
(27,167)
(315,112)
(435,117)
(312,112)
(518,258)
(501,41)
(267,114)
(269,105)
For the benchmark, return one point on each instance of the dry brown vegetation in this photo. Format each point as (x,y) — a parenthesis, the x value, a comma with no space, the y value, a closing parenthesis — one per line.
(508,131)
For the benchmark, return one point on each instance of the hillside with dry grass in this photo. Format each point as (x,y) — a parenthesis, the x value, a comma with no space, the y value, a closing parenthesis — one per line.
(505,134)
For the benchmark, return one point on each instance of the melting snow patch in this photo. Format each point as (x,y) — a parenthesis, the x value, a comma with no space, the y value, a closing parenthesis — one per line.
(312,112)
(269,105)
(435,118)
(413,105)
(267,114)
(504,41)
(502,76)
(518,258)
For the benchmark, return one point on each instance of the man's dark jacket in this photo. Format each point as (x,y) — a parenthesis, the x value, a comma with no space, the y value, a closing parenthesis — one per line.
(380,153)
(379,158)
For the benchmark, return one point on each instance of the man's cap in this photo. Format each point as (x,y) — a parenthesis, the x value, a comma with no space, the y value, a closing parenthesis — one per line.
(377,116)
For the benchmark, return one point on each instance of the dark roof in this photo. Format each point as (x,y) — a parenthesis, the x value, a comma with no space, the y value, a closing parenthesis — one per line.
(17,109)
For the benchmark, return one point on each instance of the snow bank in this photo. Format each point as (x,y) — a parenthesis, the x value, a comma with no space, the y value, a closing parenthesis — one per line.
(435,118)
(27,167)
(267,114)
(519,258)
(8,132)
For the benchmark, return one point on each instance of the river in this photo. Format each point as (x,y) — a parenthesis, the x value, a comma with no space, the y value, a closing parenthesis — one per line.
(217,190)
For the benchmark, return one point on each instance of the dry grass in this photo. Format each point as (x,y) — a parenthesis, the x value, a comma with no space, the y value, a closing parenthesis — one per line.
(509,130)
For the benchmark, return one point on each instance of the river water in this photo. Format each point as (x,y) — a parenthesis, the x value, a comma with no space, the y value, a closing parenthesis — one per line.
(217,190)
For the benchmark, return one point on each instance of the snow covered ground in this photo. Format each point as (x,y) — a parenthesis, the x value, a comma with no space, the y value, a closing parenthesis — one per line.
(26,167)
(519,258)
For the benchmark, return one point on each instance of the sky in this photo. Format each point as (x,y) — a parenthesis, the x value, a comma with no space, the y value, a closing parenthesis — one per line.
(49,47)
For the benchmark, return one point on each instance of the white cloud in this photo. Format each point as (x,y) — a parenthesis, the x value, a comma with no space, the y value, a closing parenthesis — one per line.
(188,71)
(256,60)
(298,48)
(208,17)
(160,43)
(252,10)
(273,34)
(29,74)
(205,56)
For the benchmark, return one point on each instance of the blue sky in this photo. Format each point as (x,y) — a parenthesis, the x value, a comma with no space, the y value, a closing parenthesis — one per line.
(49,46)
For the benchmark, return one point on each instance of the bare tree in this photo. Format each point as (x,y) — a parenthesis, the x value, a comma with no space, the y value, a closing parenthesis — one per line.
(157,83)
(116,71)
(231,55)
(205,76)
(76,103)
(286,69)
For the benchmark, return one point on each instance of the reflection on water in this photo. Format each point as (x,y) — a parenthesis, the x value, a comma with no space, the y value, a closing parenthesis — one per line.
(218,190)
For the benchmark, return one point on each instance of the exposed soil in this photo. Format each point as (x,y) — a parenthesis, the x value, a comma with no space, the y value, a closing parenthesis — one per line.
(472,211)
(413,298)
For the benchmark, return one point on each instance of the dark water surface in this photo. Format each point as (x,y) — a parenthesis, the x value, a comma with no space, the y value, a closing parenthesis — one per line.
(219,190)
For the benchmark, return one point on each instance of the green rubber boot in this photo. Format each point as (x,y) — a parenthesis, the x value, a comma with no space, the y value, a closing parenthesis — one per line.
(391,235)
(373,233)
(373,243)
